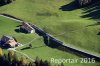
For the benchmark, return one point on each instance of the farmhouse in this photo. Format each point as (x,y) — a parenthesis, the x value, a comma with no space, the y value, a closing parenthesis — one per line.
(26,26)
(8,41)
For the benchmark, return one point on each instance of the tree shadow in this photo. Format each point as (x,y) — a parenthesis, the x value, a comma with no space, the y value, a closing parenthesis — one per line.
(19,26)
(5,2)
(32,47)
(17,30)
(38,47)
(92,11)
(69,7)
(20,30)
(98,33)
(2,3)
(95,24)
(55,44)
(25,48)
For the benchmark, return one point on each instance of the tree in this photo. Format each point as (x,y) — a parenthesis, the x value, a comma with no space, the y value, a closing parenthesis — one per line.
(31,64)
(37,61)
(11,55)
(1,53)
(30,45)
(15,60)
(46,63)
(11,59)
(1,57)
(23,61)
(41,63)
(5,61)
(62,64)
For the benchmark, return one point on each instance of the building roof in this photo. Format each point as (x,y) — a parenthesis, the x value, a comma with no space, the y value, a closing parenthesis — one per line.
(26,24)
(27,27)
(6,38)
(9,37)
(9,40)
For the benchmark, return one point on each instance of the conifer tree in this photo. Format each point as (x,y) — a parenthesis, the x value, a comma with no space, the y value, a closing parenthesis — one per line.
(37,61)
(11,56)
(15,61)
(62,64)
(46,63)
(31,64)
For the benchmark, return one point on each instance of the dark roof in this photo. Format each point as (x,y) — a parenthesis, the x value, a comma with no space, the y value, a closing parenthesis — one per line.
(9,37)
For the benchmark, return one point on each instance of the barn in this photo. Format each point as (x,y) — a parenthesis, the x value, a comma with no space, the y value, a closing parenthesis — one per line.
(26,26)
(8,41)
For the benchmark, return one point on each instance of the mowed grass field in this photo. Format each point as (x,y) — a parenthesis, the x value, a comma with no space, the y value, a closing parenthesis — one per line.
(7,27)
(68,26)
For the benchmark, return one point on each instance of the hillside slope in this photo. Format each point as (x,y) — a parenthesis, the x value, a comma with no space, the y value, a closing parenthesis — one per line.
(62,19)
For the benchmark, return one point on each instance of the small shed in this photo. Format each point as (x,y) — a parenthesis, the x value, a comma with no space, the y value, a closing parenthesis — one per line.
(26,26)
(9,41)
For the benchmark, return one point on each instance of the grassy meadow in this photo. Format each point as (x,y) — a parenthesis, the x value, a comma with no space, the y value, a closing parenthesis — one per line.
(52,16)
(39,49)
(61,19)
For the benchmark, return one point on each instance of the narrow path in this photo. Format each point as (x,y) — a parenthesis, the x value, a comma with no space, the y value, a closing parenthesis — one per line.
(28,43)
(25,55)
(11,18)
(22,54)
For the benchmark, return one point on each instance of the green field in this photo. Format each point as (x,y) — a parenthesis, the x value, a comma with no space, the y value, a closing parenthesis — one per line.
(67,26)
(39,49)
(48,16)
